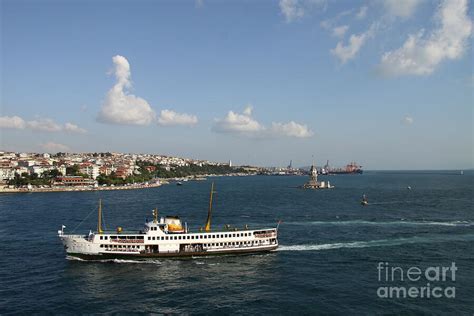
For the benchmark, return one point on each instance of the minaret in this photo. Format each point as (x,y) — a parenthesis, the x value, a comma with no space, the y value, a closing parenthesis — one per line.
(230,163)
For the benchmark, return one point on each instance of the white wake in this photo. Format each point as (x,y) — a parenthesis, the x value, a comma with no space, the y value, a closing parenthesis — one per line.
(376,243)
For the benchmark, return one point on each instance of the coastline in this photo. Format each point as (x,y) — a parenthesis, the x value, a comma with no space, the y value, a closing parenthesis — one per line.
(160,182)
(80,188)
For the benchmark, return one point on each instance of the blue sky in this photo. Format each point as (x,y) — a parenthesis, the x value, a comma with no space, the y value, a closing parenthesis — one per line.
(388,84)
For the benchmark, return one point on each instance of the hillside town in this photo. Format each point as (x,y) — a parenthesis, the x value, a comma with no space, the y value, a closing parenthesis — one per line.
(74,171)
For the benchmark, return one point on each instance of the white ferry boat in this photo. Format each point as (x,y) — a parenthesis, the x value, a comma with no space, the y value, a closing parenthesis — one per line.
(167,237)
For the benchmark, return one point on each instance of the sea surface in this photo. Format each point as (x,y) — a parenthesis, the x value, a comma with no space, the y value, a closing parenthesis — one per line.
(330,247)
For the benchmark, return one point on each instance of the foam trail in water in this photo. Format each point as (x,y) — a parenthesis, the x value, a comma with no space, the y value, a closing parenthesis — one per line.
(376,243)
(72,258)
(135,261)
(388,223)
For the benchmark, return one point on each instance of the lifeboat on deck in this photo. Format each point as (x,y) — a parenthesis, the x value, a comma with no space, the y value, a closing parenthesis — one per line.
(174,224)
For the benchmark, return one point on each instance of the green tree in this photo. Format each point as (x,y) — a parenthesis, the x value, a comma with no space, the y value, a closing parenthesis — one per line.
(72,170)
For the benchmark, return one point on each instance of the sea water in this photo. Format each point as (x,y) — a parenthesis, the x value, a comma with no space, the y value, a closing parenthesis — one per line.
(330,247)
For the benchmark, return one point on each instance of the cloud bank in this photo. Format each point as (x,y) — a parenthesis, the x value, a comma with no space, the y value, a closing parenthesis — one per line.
(52,147)
(362,13)
(291,10)
(121,107)
(244,124)
(407,120)
(14,122)
(420,54)
(339,31)
(291,129)
(238,123)
(294,10)
(347,52)
(40,124)
(401,8)
(170,118)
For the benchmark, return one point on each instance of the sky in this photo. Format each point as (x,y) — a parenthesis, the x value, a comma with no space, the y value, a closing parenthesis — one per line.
(388,84)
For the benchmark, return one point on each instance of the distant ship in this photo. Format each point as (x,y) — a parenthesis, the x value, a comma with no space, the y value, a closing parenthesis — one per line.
(351,168)
(167,237)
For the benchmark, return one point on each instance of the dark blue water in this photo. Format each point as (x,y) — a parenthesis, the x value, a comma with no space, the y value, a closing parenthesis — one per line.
(327,262)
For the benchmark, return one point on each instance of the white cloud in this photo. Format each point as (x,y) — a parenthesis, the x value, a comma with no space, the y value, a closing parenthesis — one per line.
(245,124)
(240,123)
(420,55)
(349,51)
(73,128)
(339,31)
(291,129)
(39,124)
(407,120)
(330,23)
(44,125)
(168,118)
(14,122)
(52,147)
(362,13)
(248,110)
(401,8)
(326,24)
(293,10)
(199,3)
(121,107)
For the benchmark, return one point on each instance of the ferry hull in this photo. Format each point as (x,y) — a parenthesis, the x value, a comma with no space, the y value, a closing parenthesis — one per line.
(145,256)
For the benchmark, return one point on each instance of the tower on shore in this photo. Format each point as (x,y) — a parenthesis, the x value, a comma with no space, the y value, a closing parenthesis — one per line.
(313,180)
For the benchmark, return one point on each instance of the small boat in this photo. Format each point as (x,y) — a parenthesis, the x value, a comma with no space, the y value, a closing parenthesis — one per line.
(364,201)
(179,183)
(168,237)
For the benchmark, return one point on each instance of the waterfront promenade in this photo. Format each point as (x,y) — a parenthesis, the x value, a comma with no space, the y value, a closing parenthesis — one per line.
(80,188)
(160,182)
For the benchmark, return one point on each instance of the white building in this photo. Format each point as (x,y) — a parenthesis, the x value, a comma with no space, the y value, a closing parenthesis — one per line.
(27,163)
(91,171)
(6,174)
(37,169)
(62,169)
